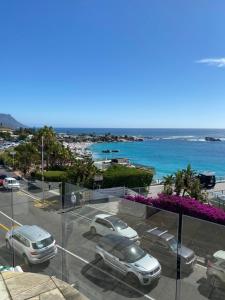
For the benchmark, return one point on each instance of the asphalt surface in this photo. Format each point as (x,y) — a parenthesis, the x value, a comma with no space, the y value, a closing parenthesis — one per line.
(75,261)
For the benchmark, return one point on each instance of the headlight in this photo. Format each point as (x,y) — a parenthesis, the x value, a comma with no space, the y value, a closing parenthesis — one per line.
(144,272)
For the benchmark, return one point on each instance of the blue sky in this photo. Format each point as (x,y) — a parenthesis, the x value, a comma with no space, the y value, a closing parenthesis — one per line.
(114,63)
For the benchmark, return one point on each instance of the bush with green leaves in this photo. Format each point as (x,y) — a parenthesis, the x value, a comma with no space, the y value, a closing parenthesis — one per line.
(125,176)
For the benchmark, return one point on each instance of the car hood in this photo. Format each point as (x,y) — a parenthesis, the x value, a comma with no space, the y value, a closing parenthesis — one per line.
(185,252)
(128,232)
(146,263)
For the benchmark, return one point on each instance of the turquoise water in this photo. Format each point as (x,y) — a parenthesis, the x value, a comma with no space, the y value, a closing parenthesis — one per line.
(169,155)
(167,150)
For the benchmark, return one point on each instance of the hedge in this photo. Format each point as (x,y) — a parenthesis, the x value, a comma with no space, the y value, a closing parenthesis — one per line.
(126,176)
(52,176)
(186,205)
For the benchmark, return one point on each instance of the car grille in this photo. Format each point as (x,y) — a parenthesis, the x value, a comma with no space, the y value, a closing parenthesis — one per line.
(190,258)
(154,271)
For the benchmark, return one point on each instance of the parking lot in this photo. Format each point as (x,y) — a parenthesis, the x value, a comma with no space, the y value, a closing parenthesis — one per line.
(75,261)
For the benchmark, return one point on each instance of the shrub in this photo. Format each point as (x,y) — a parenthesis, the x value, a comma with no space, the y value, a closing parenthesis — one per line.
(186,205)
(126,176)
(52,176)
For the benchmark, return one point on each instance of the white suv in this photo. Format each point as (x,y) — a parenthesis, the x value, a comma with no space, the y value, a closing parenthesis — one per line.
(104,224)
(127,258)
(11,183)
(32,243)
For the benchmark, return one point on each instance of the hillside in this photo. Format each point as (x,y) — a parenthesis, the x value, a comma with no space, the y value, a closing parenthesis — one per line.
(8,121)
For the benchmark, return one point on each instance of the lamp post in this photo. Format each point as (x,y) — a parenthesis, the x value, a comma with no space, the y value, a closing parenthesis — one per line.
(13,153)
(42,167)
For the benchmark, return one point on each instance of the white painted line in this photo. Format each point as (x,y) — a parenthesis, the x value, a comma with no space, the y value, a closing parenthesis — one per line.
(103,210)
(14,221)
(81,216)
(87,262)
(29,195)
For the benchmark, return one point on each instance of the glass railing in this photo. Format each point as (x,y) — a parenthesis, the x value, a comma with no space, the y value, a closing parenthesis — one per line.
(109,247)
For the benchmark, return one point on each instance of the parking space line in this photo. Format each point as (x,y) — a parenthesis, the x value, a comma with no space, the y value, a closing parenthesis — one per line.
(82,216)
(87,262)
(102,210)
(14,221)
(4,227)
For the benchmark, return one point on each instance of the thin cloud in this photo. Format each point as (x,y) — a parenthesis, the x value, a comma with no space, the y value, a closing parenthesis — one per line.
(215,62)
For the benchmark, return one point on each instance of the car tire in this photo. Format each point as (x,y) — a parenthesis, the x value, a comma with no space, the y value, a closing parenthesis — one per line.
(215,281)
(132,279)
(99,260)
(26,260)
(93,230)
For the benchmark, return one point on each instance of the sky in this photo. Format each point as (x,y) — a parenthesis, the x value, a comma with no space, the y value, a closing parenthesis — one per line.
(114,63)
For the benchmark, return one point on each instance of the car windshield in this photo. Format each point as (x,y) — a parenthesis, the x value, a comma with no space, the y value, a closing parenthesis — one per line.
(44,243)
(173,244)
(133,253)
(119,224)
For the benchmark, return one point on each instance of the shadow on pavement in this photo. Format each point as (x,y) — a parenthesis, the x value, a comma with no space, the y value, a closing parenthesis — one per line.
(109,280)
(210,292)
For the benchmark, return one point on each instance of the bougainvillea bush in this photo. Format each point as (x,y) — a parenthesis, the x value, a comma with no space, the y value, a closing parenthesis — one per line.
(186,205)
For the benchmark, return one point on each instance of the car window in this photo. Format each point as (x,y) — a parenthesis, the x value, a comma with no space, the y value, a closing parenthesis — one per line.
(99,221)
(132,253)
(16,237)
(43,243)
(19,238)
(118,254)
(161,244)
(104,223)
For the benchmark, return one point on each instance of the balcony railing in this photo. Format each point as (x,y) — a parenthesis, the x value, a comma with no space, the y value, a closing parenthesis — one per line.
(186,254)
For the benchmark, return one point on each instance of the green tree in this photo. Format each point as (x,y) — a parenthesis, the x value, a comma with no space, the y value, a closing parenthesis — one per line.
(168,182)
(27,156)
(55,154)
(83,172)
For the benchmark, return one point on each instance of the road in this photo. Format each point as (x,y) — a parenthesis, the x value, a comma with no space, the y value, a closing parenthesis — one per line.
(75,261)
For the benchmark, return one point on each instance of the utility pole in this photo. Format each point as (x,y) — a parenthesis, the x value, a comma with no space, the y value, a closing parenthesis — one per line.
(42,166)
(13,153)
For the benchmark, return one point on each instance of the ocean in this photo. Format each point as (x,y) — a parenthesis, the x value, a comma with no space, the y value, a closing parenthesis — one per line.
(167,150)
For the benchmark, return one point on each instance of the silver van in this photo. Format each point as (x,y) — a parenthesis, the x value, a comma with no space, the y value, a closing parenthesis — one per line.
(32,243)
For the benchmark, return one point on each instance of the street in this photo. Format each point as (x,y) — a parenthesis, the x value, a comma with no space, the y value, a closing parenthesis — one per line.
(75,261)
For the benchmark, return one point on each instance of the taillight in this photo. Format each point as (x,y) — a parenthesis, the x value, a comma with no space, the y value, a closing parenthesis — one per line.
(33,253)
(209,263)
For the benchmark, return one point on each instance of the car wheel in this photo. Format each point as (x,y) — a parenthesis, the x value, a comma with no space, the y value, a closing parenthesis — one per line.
(26,260)
(93,230)
(215,281)
(132,279)
(99,260)
(7,244)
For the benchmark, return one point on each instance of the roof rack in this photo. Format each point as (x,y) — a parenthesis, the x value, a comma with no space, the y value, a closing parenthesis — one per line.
(150,230)
(161,233)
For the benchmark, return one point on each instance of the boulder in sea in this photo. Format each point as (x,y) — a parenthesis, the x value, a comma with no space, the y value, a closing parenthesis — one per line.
(212,139)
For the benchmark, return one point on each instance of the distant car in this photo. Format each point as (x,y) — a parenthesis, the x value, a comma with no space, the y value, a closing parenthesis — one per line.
(127,258)
(207,180)
(216,269)
(104,224)
(11,183)
(2,177)
(164,247)
(34,244)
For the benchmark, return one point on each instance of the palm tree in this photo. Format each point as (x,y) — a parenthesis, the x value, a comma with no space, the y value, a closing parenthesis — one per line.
(179,182)
(168,182)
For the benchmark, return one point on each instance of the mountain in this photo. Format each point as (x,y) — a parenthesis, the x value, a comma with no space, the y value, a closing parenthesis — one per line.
(9,122)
